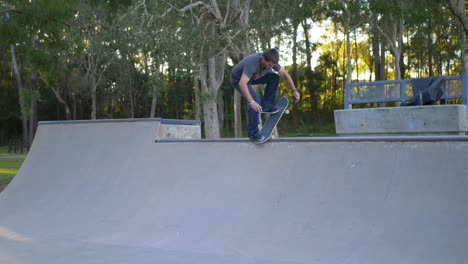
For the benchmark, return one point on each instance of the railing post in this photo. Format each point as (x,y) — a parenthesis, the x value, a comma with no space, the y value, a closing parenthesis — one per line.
(346,96)
(465,89)
(10,146)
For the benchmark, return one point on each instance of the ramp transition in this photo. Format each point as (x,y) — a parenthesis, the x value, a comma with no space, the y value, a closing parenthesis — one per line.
(108,193)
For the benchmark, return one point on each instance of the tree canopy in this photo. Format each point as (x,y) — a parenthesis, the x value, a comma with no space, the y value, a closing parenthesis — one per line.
(89,59)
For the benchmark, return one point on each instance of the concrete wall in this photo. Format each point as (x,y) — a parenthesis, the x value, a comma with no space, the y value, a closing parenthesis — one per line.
(167,131)
(158,128)
(413,120)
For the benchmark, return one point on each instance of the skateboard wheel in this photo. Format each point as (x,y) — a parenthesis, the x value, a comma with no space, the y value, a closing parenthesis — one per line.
(287,112)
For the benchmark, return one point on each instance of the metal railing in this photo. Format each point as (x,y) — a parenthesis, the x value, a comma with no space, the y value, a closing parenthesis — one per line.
(16,145)
(456,87)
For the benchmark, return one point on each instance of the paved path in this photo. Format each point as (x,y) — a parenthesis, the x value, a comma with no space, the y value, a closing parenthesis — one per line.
(13,157)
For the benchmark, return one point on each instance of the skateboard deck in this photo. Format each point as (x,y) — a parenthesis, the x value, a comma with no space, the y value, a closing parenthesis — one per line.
(273,119)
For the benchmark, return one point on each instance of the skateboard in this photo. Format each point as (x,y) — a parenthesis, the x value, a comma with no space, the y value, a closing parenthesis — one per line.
(273,119)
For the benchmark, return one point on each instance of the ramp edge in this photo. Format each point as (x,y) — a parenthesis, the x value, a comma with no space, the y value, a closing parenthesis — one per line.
(326,139)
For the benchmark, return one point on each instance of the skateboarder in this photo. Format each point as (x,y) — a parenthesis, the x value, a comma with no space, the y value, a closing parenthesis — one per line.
(257,69)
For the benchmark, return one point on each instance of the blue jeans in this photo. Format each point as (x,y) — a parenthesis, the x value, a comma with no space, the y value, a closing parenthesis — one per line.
(271,80)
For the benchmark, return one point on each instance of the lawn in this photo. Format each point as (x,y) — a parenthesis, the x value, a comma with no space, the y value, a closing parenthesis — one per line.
(4,152)
(9,166)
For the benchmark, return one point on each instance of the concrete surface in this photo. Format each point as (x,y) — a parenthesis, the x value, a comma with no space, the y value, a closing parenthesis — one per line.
(107,193)
(163,128)
(411,120)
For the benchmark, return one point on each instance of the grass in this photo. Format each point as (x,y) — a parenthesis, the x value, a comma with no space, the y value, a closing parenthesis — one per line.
(4,152)
(9,166)
(309,129)
(313,129)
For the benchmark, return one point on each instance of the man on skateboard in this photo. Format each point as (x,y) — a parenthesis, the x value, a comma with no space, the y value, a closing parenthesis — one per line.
(257,69)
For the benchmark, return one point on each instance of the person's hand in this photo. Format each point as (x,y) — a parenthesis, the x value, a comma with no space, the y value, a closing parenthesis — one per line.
(256,107)
(297,96)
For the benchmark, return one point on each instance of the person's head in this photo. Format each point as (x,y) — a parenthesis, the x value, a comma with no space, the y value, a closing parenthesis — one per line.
(270,58)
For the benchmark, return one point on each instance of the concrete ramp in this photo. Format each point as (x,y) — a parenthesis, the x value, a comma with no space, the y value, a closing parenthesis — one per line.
(108,193)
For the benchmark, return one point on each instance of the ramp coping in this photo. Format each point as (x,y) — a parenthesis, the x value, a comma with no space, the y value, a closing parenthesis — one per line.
(163,121)
(327,139)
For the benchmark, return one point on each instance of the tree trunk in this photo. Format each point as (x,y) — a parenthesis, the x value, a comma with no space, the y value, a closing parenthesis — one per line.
(309,72)
(196,86)
(376,52)
(244,48)
(356,55)
(220,114)
(93,101)
(21,96)
(74,106)
(131,98)
(348,56)
(210,87)
(154,99)
(295,111)
(308,50)
(33,118)
(67,111)
(62,101)
(395,41)
(33,110)
(153,106)
(465,59)
(382,62)
(458,10)
(237,114)
(210,113)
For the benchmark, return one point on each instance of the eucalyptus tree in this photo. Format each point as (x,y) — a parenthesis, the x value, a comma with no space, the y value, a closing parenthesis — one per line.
(17,34)
(33,31)
(459,10)
(346,14)
(215,23)
(11,37)
(388,17)
(268,23)
(145,40)
(299,12)
(432,39)
(97,50)
(239,47)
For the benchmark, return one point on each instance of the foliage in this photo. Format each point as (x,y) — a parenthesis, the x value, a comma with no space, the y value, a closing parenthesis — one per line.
(133,53)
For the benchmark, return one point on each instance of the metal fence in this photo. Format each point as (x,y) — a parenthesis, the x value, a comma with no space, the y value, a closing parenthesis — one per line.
(400,91)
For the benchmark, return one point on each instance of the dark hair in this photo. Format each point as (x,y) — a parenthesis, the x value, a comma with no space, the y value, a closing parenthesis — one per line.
(271,55)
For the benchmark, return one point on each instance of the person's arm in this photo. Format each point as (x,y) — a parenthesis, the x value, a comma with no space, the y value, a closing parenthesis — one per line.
(290,83)
(245,92)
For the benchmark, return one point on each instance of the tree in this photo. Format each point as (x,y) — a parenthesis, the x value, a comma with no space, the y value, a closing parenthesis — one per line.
(31,30)
(345,14)
(240,47)
(389,19)
(145,40)
(458,8)
(97,54)
(215,23)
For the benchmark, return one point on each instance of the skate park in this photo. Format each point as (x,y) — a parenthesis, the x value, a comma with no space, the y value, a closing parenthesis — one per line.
(137,141)
(152,191)
(382,199)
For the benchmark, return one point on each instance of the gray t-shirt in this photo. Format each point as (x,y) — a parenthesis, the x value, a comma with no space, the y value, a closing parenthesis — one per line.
(251,67)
